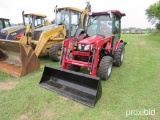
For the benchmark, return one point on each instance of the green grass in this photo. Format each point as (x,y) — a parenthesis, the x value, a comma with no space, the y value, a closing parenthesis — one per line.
(133,86)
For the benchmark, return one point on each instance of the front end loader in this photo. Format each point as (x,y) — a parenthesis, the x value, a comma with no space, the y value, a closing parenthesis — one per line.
(17,59)
(97,50)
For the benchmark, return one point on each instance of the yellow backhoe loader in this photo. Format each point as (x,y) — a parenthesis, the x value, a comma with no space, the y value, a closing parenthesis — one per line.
(47,40)
(15,32)
(69,22)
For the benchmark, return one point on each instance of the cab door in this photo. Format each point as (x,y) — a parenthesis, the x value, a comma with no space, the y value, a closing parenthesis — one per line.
(117,30)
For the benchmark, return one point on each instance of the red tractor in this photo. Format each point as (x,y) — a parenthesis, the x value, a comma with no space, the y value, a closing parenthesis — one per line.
(97,50)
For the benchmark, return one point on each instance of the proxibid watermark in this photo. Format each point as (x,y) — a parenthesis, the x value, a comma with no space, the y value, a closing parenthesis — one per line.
(140,112)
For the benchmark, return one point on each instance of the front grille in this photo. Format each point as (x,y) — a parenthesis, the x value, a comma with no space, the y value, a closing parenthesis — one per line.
(83,46)
(3,35)
(37,35)
(82,58)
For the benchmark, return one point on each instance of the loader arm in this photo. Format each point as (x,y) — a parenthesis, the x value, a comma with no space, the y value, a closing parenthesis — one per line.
(26,38)
(47,35)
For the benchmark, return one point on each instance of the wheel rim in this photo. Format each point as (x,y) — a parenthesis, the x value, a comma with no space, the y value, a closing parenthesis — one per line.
(122,55)
(59,53)
(109,69)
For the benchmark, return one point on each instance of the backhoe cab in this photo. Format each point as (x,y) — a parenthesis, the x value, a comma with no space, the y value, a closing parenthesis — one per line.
(4,23)
(72,18)
(36,20)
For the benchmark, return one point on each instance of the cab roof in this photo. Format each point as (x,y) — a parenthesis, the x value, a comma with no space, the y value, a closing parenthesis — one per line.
(69,8)
(34,14)
(4,19)
(117,12)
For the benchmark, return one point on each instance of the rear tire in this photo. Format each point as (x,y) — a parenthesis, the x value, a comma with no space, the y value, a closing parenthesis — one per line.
(73,67)
(105,67)
(55,52)
(119,55)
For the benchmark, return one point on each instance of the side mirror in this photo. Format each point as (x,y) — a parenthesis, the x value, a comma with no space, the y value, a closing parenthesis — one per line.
(23,18)
(55,9)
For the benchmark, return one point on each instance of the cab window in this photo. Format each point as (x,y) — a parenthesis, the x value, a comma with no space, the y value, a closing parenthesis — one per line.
(1,24)
(75,22)
(39,21)
(7,24)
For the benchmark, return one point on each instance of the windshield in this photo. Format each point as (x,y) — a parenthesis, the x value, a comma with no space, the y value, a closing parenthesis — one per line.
(4,23)
(75,22)
(101,25)
(28,19)
(62,17)
(38,20)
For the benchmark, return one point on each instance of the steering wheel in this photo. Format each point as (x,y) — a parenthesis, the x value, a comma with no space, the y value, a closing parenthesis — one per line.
(104,27)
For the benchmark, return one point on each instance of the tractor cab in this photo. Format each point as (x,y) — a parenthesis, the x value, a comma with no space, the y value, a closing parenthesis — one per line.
(4,23)
(104,23)
(71,18)
(36,20)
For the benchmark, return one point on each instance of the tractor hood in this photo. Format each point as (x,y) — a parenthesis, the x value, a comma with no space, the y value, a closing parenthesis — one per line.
(12,28)
(44,28)
(91,40)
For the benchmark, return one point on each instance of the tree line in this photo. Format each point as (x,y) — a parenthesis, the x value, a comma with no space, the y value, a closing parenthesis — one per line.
(153,14)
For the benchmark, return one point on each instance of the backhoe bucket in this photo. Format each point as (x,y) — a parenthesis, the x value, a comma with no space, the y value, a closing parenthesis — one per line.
(17,59)
(77,86)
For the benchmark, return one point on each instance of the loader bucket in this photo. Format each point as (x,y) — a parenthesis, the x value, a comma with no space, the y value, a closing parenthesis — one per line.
(17,59)
(80,87)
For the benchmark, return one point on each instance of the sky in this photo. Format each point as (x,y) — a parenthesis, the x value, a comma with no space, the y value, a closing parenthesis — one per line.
(134,9)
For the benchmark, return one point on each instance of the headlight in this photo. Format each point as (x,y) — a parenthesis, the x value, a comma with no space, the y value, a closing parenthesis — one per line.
(79,46)
(83,47)
(86,48)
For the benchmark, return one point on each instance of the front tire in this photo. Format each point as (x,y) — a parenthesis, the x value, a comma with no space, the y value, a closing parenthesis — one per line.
(105,67)
(55,52)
